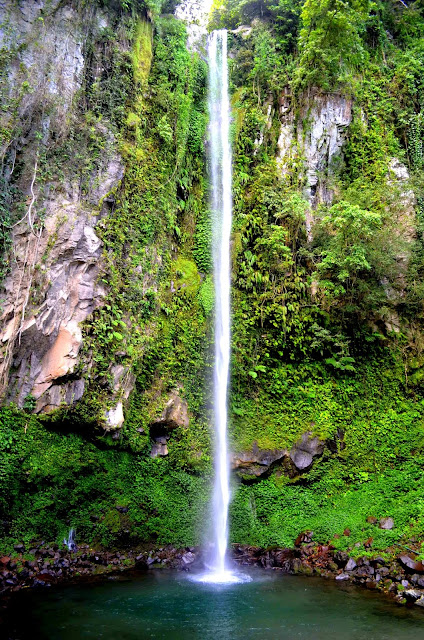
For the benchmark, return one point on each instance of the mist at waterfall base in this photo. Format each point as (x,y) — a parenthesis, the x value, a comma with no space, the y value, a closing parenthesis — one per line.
(164,604)
(220,167)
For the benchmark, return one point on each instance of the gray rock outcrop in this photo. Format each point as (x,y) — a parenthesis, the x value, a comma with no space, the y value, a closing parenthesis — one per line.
(258,462)
(195,14)
(304,451)
(316,135)
(174,414)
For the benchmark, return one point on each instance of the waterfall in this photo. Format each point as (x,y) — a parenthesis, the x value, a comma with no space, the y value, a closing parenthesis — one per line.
(221,203)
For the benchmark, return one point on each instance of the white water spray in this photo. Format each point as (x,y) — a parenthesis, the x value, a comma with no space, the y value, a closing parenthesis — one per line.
(220,162)
(221,203)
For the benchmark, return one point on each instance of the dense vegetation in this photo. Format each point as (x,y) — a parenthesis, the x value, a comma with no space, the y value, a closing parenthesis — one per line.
(152,97)
(327,329)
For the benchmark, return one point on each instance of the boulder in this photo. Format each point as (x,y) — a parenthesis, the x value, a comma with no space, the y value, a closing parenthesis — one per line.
(304,451)
(363,560)
(304,538)
(158,450)
(410,564)
(257,462)
(365,571)
(341,558)
(188,558)
(417,580)
(174,414)
(350,565)
(386,523)
(284,559)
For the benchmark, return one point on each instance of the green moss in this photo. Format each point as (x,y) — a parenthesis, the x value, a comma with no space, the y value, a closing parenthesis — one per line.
(268,513)
(133,120)
(142,52)
(186,275)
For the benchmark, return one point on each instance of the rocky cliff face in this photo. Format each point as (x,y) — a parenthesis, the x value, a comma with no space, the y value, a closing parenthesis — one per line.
(315,137)
(52,282)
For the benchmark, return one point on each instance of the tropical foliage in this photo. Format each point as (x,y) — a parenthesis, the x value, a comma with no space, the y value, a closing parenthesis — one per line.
(328,292)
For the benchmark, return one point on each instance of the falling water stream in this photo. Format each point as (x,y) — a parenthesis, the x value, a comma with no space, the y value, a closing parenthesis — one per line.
(221,201)
(221,204)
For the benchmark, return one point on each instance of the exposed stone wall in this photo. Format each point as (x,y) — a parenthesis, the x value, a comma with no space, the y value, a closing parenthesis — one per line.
(316,136)
(52,286)
(195,15)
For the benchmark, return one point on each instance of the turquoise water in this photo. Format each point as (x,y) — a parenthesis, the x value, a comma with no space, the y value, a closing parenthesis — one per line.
(169,605)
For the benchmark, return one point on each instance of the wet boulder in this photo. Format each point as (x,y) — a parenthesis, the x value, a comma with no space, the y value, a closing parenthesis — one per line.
(364,571)
(188,558)
(417,580)
(284,559)
(342,577)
